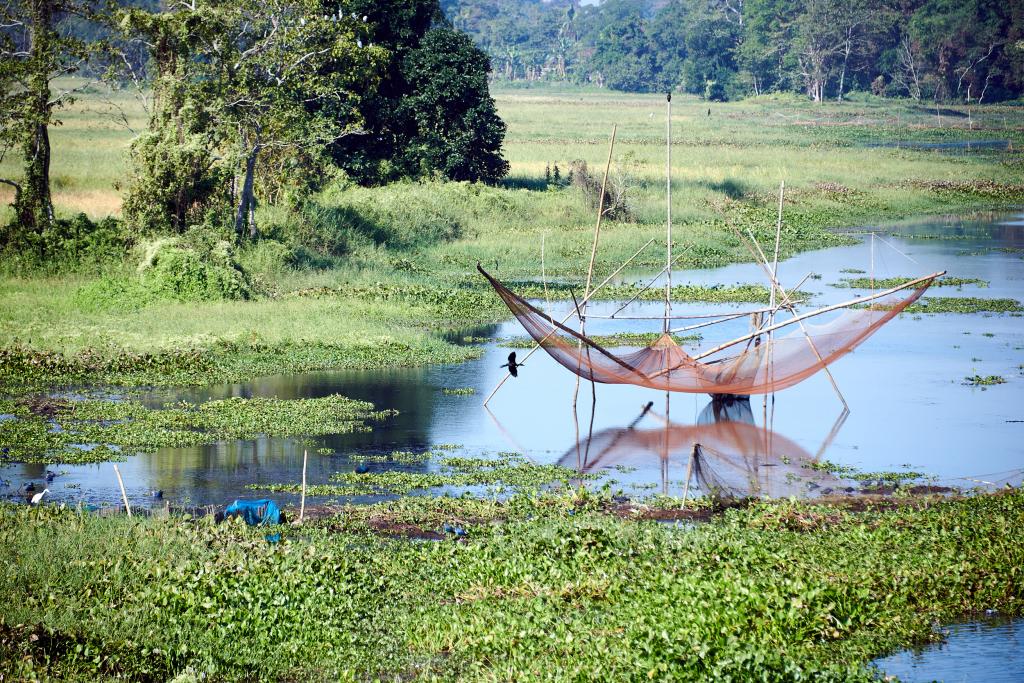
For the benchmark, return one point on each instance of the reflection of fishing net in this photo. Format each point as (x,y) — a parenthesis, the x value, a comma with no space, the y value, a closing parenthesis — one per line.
(778,363)
(734,459)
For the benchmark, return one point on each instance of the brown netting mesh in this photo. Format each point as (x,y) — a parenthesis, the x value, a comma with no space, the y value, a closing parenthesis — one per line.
(757,368)
(733,459)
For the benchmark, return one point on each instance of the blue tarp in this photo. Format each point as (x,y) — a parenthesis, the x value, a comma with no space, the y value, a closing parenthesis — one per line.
(255,512)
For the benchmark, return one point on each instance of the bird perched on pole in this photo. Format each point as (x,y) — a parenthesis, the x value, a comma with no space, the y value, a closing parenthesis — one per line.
(512,365)
(38,498)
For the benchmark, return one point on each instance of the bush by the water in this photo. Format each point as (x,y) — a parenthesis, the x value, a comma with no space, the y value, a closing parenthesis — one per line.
(198,266)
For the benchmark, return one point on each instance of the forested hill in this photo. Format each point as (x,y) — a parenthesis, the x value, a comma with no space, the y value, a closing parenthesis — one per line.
(945,50)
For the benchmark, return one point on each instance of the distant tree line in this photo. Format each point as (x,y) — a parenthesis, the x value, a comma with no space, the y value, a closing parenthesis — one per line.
(247,101)
(942,50)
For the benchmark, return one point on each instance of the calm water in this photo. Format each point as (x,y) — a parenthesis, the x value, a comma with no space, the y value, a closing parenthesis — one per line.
(991,650)
(908,405)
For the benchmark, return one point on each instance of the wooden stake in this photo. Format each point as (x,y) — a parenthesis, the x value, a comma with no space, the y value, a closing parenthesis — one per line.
(778,238)
(124,494)
(689,470)
(302,500)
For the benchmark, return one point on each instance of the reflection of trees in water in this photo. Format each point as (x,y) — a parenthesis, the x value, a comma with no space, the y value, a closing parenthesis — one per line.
(210,468)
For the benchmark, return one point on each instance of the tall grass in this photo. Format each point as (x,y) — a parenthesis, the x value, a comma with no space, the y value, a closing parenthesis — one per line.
(355,245)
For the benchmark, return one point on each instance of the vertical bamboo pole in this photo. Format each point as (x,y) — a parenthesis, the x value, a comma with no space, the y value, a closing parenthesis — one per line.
(124,494)
(302,500)
(668,210)
(590,267)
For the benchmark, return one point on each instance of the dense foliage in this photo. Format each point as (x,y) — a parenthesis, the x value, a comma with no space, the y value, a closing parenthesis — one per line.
(923,49)
(540,586)
(247,103)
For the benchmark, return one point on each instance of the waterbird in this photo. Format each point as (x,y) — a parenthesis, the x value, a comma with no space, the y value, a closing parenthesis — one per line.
(50,474)
(460,532)
(448,528)
(512,365)
(157,494)
(38,498)
(29,486)
(362,468)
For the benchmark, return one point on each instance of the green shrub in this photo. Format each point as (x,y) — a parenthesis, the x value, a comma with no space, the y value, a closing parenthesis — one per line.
(174,268)
(69,245)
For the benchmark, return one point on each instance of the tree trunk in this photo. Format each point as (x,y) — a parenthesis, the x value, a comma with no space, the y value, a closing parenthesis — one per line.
(245,199)
(846,60)
(35,206)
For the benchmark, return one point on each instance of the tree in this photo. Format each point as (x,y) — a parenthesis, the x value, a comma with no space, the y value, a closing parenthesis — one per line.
(457,130)
(234,83)
(433,92)
(711,39)
(625,57)
(35,51)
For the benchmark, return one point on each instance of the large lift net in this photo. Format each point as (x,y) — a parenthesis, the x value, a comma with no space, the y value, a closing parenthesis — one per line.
(759,364)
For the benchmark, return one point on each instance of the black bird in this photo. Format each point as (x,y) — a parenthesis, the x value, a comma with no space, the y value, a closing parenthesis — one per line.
(157,494)
(28,487)
(50,475)
(512,365)
(362,468)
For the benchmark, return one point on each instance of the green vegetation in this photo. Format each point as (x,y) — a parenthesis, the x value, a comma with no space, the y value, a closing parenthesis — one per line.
(458,391)
(357,277)
(610,340)
(821,50)
(966,304)
(889,282)
(977,380)
(501,473)
(539,586)
(81,431)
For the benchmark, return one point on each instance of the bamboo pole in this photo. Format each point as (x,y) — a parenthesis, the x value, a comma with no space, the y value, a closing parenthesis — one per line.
(649,285)
(581,312)
(302,500)
(668,209)
(787,296)
(124,494)
(816,312)
(820,311)
(600,212)
(689,471)
(585,299)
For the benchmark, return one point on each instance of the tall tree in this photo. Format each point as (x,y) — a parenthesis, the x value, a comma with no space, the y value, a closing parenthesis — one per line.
(236,82)
(457,130)
(35,50)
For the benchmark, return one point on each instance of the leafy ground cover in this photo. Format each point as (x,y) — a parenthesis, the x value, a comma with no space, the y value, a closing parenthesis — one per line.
(538,586)
(889,282)
(964,304)
(609,340)
(501,473)
(80,431)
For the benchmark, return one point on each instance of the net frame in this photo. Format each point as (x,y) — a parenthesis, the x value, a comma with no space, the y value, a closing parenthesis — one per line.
(771,363)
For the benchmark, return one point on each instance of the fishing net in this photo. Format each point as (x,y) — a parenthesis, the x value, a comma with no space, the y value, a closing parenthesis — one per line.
(762,365)
(725,459)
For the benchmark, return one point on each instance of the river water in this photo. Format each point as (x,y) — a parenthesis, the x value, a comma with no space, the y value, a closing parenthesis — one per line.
(990,650)
(908,405)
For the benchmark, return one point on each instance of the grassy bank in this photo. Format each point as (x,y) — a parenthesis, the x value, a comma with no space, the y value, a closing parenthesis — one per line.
(542,586)
(404,268)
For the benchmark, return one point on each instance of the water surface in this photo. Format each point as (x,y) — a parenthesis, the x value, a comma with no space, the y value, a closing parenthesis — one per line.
(909,408)
(990,650)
